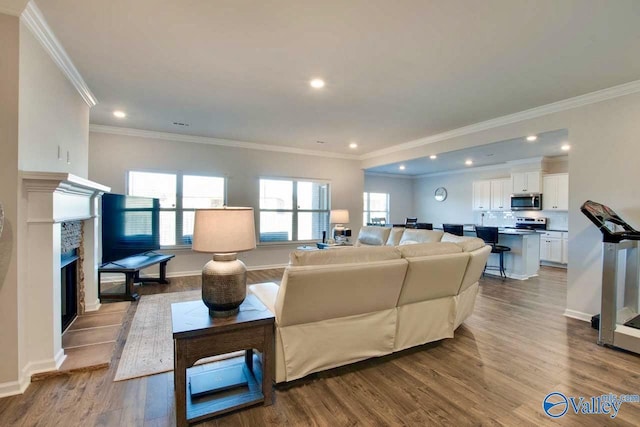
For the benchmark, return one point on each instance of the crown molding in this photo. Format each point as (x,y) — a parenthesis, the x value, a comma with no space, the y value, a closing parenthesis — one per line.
(499,166)
(168,136)
(555,107)
(34,20)
(389,175)
(9,11)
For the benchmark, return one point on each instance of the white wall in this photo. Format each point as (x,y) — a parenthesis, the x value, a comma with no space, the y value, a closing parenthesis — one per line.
(602,167)
(40,110)
(52,114)
(111,156)
(400,190)
(456,208)
(9,52)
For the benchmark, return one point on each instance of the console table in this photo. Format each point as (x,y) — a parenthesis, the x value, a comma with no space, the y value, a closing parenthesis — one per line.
(197,335)
(131,267)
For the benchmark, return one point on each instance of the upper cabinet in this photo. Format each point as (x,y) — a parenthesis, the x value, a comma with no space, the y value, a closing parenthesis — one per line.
(555,192)
(481,195)
(526,182)
(501,194)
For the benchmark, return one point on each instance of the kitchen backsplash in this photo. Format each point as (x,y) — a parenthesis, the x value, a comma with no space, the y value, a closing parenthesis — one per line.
(555,220)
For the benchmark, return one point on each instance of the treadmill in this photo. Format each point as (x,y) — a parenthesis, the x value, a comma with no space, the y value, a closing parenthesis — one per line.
(619,319)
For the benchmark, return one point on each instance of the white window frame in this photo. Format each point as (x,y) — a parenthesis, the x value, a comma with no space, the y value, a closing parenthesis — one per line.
(294,210)
(367,206)
(181,241)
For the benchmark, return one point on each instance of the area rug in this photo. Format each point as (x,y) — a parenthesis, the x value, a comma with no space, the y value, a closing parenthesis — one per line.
(149,346)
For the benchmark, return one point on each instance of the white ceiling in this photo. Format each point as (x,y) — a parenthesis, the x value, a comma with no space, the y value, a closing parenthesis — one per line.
(548,144)
(395,70)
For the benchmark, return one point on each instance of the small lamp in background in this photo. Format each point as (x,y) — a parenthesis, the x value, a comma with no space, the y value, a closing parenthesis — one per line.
(339,217)
(224,232)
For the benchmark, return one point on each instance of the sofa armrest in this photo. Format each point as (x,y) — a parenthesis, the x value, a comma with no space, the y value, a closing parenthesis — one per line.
(266,293)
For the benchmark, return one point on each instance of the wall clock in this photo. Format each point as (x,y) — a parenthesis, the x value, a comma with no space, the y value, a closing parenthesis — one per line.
(441,194)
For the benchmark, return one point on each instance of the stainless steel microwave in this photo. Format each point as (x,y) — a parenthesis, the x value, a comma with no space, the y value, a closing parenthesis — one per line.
(526,202)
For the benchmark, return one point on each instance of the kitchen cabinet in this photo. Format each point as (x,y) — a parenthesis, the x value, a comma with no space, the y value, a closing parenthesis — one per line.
(565,248)
(481,195)
(551,246)
(526,182)
(555,192)
(501,194)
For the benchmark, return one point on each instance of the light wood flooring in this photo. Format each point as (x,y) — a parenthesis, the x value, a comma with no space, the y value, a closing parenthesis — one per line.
(514,349)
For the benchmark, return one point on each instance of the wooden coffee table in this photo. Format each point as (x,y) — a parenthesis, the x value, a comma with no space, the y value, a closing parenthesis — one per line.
(196,335)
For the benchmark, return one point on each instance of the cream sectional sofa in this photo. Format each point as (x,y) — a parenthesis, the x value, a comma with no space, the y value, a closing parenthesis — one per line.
(339,306)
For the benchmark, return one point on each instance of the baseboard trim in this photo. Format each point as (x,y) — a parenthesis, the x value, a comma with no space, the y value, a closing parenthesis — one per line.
(94,306)
(266,267)
(12,388)
(118,278)
(578,315)
(509,275)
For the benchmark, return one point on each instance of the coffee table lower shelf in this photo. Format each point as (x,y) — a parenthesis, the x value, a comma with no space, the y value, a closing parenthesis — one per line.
(220,402)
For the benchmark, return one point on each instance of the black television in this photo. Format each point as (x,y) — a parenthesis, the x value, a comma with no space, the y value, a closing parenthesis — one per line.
(130,226)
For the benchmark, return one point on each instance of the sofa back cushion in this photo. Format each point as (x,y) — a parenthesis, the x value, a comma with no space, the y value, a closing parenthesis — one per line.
(313,293)
(427,249)
(373,236)
(433,277)
(343,255)
(413,236)
(394,236)
(467,243)
(477,261)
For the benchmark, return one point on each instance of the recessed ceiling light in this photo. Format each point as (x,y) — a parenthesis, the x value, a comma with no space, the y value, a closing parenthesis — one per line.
(317,83)
(468,162)
(565,147)
(531,138)
(120,114)
(433,157)
(402,167)
(353,145)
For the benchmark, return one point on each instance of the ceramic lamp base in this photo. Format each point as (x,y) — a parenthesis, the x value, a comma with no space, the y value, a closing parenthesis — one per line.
(224,285)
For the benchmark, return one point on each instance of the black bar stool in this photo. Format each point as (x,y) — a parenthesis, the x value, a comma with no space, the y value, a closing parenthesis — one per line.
(457,229)
(411,222)
(490,236)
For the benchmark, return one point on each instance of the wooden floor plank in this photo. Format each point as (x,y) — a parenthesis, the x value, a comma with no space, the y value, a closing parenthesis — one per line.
(516,348)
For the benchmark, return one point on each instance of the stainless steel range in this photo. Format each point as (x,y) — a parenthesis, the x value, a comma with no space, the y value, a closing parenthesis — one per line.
(527,223)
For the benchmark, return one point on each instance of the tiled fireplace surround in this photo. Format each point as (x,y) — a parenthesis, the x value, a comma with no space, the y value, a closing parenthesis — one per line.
(51,199)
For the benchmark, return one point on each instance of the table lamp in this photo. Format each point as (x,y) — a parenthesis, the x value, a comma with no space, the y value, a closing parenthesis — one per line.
(224,232)
(339,217)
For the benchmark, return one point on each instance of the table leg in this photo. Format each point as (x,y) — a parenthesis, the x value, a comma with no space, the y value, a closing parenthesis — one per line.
(130,294)
(180,385)
(163,273)
(248,359)
(267,365)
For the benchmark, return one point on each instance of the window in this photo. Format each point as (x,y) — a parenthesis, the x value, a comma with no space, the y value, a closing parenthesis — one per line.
(180,195)
(376,206)
(293,210)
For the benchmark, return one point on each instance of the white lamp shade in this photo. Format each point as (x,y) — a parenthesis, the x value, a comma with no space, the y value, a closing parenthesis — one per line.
(339,216)
(224,230)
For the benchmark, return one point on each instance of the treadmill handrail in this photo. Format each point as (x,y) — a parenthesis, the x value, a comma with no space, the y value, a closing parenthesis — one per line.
(599,214)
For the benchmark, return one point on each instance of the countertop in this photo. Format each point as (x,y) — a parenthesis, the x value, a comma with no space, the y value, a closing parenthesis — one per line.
(505,231)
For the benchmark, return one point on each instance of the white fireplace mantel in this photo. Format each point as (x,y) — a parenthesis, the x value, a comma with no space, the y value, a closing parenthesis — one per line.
(52,198)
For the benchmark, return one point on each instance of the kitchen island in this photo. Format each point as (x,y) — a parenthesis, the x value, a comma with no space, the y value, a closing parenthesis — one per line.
(523,261)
